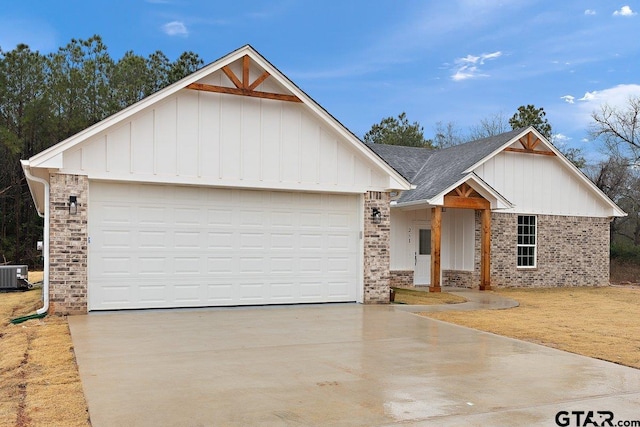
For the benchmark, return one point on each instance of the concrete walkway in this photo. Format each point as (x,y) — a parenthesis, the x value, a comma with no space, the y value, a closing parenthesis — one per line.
(338,365)
(476,300)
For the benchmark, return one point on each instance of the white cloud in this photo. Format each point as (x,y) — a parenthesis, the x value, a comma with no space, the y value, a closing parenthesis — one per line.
(615,96)
(589,12)
(175,28)
(467,67)
(624,11)
(568,98)
(561,138)
(589,96)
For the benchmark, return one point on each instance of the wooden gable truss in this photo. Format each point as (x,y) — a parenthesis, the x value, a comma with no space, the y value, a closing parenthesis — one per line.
(529,143)
(244,87)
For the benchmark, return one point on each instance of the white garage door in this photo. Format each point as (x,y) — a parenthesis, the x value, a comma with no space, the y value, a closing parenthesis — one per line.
(175,246)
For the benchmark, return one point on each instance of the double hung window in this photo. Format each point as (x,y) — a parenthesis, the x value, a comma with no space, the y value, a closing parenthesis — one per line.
(527,240)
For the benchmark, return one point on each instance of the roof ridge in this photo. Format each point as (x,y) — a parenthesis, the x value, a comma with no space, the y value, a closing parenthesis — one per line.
(425,163)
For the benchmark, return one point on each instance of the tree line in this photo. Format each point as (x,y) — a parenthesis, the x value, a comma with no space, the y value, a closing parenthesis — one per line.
(44,99)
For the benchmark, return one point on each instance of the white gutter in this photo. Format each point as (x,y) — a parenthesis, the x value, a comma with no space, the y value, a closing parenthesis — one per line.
(45,286)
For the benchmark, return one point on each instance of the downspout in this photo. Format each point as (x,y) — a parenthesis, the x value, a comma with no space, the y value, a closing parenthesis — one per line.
(41,312)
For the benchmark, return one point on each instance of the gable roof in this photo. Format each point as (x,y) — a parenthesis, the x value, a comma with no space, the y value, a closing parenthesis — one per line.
(52,157)
(437,170)
(445,169)
(447,166)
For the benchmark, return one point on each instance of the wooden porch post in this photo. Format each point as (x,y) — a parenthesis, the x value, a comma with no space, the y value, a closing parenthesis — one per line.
(436,227)
(485,254)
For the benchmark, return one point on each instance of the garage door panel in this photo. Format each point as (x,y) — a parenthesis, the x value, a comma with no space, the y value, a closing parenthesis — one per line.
(152,239)
(220,265)
(187,266)
(187,293)
(310,265)
(220,293)
(187,216)
(253,240)
(158,246)
(220,240)
(150,294)
(311,290)
(217,217)
(116,296)
(148,265)
(117,214)
(338,265)
(338,289)
(310,220)
(283,241)
(311,242)
(282,291)
(281,219)
(252,291)
(283,265)
(116,239)
(116,266)
(151,215)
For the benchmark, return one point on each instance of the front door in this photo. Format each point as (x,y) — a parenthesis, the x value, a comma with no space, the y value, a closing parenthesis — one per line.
(422,255)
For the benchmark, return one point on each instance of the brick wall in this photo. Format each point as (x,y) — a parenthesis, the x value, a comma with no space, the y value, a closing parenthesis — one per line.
(461,278)
(376,249)
(68,245)
(401,278)
(571,251)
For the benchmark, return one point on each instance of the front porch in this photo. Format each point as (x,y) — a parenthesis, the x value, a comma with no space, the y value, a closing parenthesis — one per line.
(448,244)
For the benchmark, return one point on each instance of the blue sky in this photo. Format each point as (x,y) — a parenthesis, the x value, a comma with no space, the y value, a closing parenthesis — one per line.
(451,61)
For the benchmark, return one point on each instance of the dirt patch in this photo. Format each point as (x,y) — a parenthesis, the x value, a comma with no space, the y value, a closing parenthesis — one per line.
(415,297)
(40,381)
(596,322)
(624,272)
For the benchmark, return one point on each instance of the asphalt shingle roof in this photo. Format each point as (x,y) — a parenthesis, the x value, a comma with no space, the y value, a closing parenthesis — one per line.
(433,171)
(407,161)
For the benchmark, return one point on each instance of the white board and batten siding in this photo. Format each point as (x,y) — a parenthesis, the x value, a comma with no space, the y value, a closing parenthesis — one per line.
(458,238)
(204,138)
(172,246)
(539,184)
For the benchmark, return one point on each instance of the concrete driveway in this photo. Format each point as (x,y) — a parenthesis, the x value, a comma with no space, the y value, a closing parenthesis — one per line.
(338,365)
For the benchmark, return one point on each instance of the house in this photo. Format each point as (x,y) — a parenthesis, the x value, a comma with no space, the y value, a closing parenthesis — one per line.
(233,187)
(229,187)
(508,210)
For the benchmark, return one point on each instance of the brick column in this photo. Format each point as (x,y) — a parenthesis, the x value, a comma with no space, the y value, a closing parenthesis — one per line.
(68,245)
(376,248)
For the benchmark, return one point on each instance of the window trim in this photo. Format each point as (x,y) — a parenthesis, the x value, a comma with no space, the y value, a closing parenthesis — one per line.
(521,245)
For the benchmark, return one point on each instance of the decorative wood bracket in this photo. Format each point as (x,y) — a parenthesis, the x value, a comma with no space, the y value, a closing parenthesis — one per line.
(529,145)
(244,87)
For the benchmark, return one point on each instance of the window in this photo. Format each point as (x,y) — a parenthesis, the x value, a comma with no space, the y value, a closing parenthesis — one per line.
(425,242)
(526,241)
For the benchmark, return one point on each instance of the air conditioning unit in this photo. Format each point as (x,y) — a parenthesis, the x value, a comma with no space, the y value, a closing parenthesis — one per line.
(13,277)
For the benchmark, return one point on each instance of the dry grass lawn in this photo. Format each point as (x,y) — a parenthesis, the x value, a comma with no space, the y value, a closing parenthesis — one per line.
(40,382)
(597,322)
(413,297)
